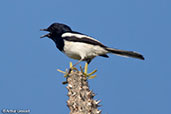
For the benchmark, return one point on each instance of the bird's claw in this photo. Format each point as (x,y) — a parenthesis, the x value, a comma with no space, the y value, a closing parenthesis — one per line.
(88,75)
(66,72)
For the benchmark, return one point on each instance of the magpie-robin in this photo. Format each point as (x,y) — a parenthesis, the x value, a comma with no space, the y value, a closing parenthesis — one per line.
(80,46)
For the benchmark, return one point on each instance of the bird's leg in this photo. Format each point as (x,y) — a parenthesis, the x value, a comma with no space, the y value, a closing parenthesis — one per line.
(66,72)
(88,75)
(73,67)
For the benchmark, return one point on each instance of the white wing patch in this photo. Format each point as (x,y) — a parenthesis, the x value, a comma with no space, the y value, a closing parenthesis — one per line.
(78,36)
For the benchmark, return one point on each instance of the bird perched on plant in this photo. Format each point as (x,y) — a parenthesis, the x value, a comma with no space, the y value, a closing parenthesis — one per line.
(80,46)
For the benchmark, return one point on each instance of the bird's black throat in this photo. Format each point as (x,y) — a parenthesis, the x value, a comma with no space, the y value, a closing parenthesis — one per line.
(59,42)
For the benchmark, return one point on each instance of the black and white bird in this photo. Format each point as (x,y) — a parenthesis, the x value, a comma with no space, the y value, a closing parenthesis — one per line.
(80,46)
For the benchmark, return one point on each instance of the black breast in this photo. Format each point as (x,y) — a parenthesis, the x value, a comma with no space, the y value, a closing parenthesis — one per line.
(59,43)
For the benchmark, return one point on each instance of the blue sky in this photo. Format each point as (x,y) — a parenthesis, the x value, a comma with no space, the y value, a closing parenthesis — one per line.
(28,76)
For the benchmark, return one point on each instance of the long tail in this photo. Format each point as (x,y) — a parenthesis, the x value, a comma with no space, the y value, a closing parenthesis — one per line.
(125,53)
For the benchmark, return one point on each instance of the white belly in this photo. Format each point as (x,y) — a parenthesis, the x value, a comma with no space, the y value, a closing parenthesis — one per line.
(79,50)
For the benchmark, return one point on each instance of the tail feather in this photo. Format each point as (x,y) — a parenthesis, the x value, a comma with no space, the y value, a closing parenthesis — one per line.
(125,53)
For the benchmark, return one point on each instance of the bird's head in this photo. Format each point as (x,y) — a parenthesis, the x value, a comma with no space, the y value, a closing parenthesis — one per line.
(56,29)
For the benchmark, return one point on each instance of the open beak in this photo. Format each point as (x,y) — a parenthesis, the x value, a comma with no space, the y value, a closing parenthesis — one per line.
(46,35)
